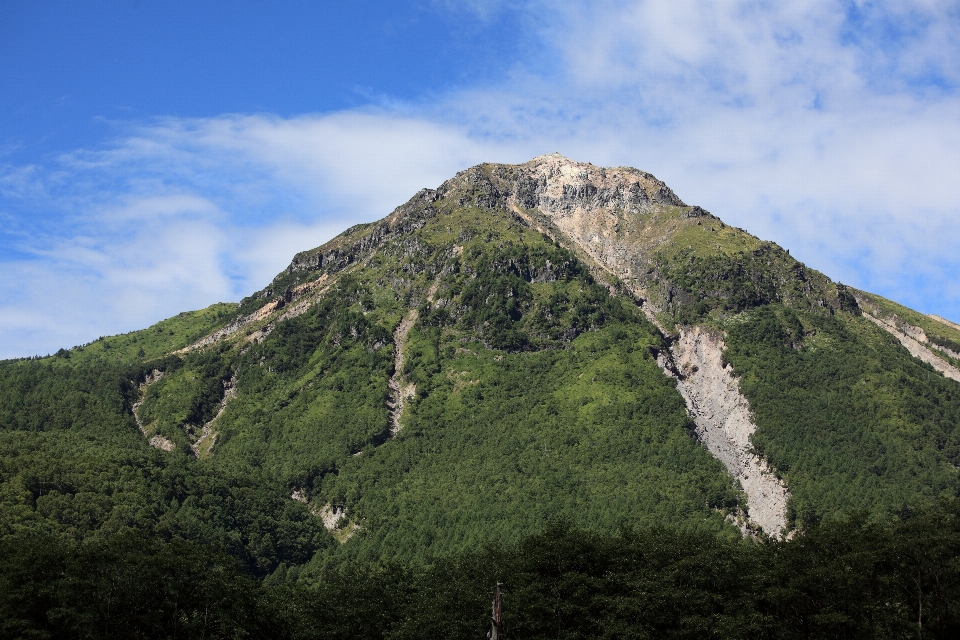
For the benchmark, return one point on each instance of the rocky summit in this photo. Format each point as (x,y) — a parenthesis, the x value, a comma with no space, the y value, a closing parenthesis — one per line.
(523,345)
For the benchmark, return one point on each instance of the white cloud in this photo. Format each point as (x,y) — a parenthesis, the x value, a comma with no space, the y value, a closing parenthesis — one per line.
(180,214)
(776,116)
(831,127)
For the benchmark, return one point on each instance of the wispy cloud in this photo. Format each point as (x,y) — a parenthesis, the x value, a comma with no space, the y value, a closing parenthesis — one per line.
(831,127)
(178,214)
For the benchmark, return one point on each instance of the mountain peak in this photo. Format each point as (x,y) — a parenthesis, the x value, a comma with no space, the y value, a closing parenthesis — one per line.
(622,221)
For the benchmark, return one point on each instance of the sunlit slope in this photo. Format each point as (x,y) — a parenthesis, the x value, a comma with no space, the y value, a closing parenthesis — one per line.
(844,413)
(536,397)
(495,353)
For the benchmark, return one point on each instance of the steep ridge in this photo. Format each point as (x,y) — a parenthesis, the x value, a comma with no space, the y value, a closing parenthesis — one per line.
(917,348)
(556,340)
(681,265)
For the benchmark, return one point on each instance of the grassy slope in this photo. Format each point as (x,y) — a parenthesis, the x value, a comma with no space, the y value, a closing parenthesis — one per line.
(156,341)
(937,332)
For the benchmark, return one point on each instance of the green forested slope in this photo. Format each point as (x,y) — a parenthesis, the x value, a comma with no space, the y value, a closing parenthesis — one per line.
(72,463)
(849,579)
(844,413)
(538,396)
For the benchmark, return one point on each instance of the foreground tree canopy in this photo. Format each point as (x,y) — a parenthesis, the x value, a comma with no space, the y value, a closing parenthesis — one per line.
(846,579)
(371,442)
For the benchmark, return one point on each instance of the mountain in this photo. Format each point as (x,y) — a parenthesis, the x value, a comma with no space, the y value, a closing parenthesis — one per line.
(525,343)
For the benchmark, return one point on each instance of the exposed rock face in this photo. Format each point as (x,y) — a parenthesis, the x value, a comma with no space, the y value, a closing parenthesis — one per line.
(724,425)
(916,348)
(399,390)
(208,437)
(157,441)
(332,516)
(290,304)
(561,187)
(952,325)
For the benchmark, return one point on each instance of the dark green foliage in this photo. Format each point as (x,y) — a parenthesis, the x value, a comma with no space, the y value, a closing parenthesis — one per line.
(845,579)
(698,285)
(126,587)
(593,432)
(844,413)
(953,345)
(520,296)
(36,396)
(73,463)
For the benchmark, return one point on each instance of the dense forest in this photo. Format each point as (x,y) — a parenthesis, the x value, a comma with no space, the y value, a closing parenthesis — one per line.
(843,415)
(898,578)
(253,469)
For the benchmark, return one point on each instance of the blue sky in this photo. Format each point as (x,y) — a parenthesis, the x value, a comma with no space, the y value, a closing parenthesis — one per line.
(162,156)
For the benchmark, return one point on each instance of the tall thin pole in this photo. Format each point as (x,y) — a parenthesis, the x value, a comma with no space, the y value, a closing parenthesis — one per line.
(496,632)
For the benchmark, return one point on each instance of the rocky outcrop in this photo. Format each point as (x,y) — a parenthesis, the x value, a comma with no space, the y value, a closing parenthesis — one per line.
(292,303)
(333,517)
(916,348)
(595,208)
(233,327)
(724,424)
(335,521)
(560,187)
(399,391)
(952,325)
(203,446)
(156,441)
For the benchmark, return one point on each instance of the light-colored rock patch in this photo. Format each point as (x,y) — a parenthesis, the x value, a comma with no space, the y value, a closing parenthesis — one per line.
(587,204)
(305,296)
(917,349)
(203,447)
(724,424)
(331,517)
(159,442)
(156,441)
(399,390)
(949,323)
(233,327)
